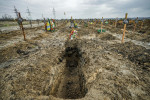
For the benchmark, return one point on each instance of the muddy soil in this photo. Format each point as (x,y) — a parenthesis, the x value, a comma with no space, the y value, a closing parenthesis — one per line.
(92,67)
(140,37)
(137,54)
(17,50)
(104,36)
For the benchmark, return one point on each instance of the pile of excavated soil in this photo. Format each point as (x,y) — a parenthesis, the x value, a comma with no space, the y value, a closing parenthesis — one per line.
(140,37)
(134,53)
(32,75)
(17,50)
(105,36)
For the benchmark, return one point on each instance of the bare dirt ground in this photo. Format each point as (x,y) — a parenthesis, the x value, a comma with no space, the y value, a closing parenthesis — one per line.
(94,66)
(8,26)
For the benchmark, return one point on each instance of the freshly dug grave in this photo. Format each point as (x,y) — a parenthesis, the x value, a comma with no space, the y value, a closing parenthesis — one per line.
(71,83)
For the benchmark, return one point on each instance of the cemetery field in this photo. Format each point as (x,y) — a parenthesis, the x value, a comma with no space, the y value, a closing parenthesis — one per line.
(93,66)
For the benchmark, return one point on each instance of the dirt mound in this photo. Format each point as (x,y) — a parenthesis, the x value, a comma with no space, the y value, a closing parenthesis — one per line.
(147,22)
(104,36)
(9,35)
(140,37)
(16,50)
(84,32)
(134,53)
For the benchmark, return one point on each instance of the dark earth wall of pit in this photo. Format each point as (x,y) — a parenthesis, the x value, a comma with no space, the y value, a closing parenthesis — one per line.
(71,82)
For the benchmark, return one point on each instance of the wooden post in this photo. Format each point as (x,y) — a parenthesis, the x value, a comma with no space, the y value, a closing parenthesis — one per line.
(135,24)
(124,28)
(116,22)
(141,25)
(95,22)
(21,25)
(109,22)
(134,27)
(101,24)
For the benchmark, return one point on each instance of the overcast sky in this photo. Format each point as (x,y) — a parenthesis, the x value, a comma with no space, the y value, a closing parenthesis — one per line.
(77,8)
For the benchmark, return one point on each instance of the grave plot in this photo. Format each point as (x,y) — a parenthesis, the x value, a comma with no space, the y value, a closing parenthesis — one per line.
(71,83)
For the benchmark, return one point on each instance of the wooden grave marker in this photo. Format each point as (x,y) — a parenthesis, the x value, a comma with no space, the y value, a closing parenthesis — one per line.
(141,24)
(101,24)
(116,22)
(125,24)
(136,21)
(20,20)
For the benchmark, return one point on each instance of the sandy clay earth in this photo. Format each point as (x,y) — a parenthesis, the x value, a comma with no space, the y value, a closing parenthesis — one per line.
(94,66)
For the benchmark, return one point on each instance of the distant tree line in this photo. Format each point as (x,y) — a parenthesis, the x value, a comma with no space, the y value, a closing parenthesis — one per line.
(7,17)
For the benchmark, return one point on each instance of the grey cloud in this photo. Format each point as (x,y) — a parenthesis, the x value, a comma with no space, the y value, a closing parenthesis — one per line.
(78,8)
